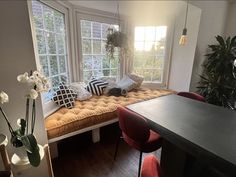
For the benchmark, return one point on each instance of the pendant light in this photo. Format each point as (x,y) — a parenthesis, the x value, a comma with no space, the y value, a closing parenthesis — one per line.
(183,38)
(111,28)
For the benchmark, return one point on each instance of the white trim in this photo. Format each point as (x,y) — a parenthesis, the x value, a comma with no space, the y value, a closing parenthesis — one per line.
(82,130)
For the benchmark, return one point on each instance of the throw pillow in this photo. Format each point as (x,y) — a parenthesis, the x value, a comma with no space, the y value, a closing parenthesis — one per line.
(127,84)
(96,86)
(64,96)
(136,78)
(82,93)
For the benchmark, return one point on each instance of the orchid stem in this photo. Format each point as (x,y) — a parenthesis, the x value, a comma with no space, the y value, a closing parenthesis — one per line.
(8,123)
(33,117)
(27,115)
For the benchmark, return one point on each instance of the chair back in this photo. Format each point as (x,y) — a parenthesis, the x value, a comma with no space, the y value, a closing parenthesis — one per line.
(192,95)
(133,125)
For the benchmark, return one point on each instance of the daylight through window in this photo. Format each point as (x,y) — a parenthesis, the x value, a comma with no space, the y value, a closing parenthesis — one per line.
(95,61)
(51,42)
(149,53)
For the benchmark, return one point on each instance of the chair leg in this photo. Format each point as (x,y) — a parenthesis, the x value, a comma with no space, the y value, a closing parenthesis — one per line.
(117,145)
(140,162)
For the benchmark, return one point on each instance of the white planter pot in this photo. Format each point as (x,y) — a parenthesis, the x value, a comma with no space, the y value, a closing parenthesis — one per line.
(21,153)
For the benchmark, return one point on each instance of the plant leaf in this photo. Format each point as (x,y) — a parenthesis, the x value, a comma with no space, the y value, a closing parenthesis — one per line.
(30,143)
(34,157)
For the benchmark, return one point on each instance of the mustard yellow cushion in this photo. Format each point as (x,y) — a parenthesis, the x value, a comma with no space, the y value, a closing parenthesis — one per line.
(96,110)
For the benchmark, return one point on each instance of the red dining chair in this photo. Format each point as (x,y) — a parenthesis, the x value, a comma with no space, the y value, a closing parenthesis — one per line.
(136,133)
(192,95)
(150,167)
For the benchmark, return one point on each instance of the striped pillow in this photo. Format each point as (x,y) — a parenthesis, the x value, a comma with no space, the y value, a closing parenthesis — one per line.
(96,86)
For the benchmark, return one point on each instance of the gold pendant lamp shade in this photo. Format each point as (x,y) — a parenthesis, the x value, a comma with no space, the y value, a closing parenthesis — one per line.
(183,38)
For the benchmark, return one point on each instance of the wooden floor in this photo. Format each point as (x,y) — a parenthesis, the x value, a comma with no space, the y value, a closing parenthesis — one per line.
(79,157)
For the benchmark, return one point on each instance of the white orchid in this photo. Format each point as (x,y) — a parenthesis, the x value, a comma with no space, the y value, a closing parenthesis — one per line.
(235,63)
(37,81)
(3,97)
(23,78)
(33,94)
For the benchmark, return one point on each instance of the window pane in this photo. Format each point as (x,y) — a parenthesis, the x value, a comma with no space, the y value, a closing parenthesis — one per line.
(97,73)
(97,30)
(59,22)
(97,62)
(44,65)
(53,65)
(88,62)
(87,75)
(86,28)
(51,42)
(62,64)
(106,72)
(55,81)
(48,18)
(64,79)
(60,44)
(149,52)
(106,62)
(41,42)
(38,14)
(104,30)
(96,46)
(86,45)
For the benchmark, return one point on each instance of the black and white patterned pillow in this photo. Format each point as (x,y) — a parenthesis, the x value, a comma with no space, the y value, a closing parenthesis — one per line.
(96,86)
(64,96)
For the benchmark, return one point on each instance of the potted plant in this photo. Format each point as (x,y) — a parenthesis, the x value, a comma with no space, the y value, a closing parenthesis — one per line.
(23,138)
(218,82)
(116,39)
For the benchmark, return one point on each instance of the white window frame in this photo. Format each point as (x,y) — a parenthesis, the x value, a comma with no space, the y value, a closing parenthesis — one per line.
(50,107)
(167,57)
(83,13)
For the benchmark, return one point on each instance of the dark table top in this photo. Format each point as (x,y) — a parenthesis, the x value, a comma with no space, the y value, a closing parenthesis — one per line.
(209,129)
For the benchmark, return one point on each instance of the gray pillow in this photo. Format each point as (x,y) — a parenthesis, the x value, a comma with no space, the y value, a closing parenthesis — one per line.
(82,93)
(127,84)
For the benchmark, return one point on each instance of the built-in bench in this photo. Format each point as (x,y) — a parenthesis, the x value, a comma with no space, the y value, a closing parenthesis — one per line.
(92,114)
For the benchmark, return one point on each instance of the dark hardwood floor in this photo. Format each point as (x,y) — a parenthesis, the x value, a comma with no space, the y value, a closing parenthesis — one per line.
(79,157)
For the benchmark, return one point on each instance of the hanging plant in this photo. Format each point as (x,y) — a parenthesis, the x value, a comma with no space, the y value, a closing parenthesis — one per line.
(119,40)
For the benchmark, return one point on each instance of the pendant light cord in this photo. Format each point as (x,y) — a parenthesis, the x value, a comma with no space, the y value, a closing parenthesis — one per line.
(186,15)
(118,13)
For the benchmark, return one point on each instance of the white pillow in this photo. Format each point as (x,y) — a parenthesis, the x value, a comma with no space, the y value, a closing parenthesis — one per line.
(82,93)
(127,83)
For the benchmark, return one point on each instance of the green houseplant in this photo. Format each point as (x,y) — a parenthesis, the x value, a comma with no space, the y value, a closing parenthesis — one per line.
(218,82)
(23,137)
(119,40)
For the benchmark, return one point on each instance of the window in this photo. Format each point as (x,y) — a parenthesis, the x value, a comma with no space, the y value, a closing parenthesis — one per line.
(49,25)
(149,53)
(95,61)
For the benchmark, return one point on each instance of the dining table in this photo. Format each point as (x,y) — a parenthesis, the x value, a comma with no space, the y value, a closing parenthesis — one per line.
(198,138)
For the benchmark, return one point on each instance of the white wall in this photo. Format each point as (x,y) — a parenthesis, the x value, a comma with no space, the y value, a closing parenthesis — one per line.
(16,57)
(231,23)
(183,56)
(212,24)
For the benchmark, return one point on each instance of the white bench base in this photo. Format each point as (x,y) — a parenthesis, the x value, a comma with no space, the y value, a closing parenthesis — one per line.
(95,136)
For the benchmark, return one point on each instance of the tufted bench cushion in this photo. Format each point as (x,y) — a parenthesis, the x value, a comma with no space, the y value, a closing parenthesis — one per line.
(96,110)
